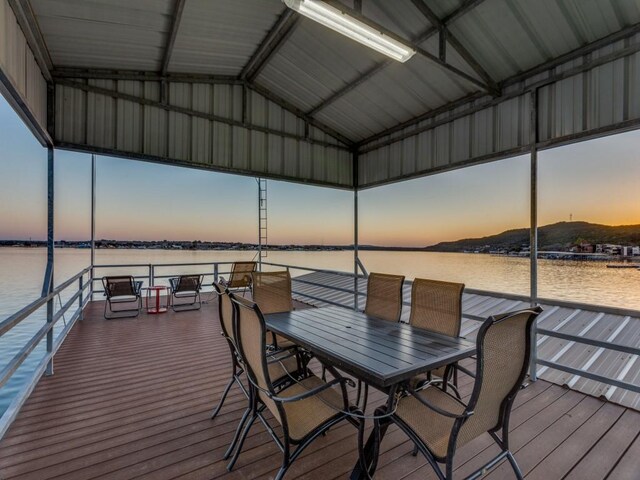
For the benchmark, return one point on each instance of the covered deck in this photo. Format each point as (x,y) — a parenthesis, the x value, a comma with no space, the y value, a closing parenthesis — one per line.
(132,398)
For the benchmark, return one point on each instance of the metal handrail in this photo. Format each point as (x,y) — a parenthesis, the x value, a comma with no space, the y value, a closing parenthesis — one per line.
(18,359)
(11,321)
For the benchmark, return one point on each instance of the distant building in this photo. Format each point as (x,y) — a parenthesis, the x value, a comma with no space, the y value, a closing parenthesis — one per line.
(585,247)
(635,251)
(626,251)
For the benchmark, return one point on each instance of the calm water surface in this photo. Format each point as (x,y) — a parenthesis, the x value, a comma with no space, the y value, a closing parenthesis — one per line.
(22,270)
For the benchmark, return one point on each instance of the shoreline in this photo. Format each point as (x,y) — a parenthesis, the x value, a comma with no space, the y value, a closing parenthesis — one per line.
(542,255)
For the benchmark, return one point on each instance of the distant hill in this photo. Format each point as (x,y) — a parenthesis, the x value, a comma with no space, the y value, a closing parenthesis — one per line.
(557,236)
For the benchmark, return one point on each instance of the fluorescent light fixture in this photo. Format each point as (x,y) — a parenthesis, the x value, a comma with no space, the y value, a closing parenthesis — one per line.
(351,27)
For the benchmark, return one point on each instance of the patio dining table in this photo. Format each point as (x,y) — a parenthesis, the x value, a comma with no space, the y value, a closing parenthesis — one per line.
(383,354)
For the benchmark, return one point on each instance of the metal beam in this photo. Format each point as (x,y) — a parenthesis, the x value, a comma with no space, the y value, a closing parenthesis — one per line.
(112,152)
(193,113)
(93,224)
(356,291)
(533,229)
(576,53)
(142,76)
(447,36)
(466,7)
(275,38)
(349,86)
(455,105)
(29,25)
(47,287)
(382,65)
(296,111)
(173,33)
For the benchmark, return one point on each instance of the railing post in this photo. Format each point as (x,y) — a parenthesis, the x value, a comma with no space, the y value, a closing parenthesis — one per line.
(533,234)
(80,298)
(215,273)
(151,275)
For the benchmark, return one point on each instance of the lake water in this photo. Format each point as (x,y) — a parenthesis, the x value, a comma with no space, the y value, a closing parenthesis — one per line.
(22,270)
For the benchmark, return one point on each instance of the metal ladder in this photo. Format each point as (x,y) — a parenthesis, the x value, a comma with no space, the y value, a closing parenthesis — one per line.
(262,219)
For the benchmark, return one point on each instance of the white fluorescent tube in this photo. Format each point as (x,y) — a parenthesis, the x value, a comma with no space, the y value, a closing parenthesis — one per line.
(351,27)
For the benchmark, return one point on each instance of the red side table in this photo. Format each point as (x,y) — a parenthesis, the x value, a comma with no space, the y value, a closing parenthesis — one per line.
(156,305)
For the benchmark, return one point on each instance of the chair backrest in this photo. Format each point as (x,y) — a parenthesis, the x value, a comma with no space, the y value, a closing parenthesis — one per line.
(241,274)
(384,296)
(503,358)
(189,283)
(119,286)
(225,311)
(272,291)
(250,332)
(436,306)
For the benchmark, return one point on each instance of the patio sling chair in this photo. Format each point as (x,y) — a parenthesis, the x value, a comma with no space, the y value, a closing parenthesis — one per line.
(186,286)
(121,290)
(305,408)
(272,292)
(437,306)
(283,365)
(439,423)
(240,276)
(384,296)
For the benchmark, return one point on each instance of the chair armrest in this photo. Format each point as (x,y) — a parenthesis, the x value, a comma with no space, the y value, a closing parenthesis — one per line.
(137,285)
(279,359)
(310,393)
(466,371)
(439,410)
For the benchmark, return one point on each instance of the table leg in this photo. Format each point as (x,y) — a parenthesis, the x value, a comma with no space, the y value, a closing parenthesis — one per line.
(158,300)
(368,455)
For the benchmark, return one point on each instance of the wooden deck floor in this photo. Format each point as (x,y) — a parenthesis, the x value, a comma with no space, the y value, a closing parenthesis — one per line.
(132,398)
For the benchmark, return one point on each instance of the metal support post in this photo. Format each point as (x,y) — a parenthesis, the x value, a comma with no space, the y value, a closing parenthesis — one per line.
(47,287)
(93,224)
(216,272)
(533,234)
(356,292)
(356,261)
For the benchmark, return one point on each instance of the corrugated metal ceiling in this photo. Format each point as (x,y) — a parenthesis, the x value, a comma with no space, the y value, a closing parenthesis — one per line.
(105,33)
(505,37)
(218,37)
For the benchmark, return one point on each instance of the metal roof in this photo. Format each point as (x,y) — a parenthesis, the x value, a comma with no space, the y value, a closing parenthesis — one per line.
(471,54)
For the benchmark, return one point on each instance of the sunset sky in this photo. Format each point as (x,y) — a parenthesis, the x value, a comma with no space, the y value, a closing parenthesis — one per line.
(595,181)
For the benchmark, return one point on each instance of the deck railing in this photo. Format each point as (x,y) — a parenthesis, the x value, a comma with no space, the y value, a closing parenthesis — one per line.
(46,331)
(350,298)
(354,297)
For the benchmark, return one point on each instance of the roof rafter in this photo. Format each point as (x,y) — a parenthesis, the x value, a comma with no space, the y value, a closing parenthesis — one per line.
(271,43)
(173,33)
(466,7)
(143,75)
(447,36)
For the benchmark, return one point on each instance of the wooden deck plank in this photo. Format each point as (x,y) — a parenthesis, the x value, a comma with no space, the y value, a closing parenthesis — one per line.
(611,446)
(571,451)
(627,468)
(132,399)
